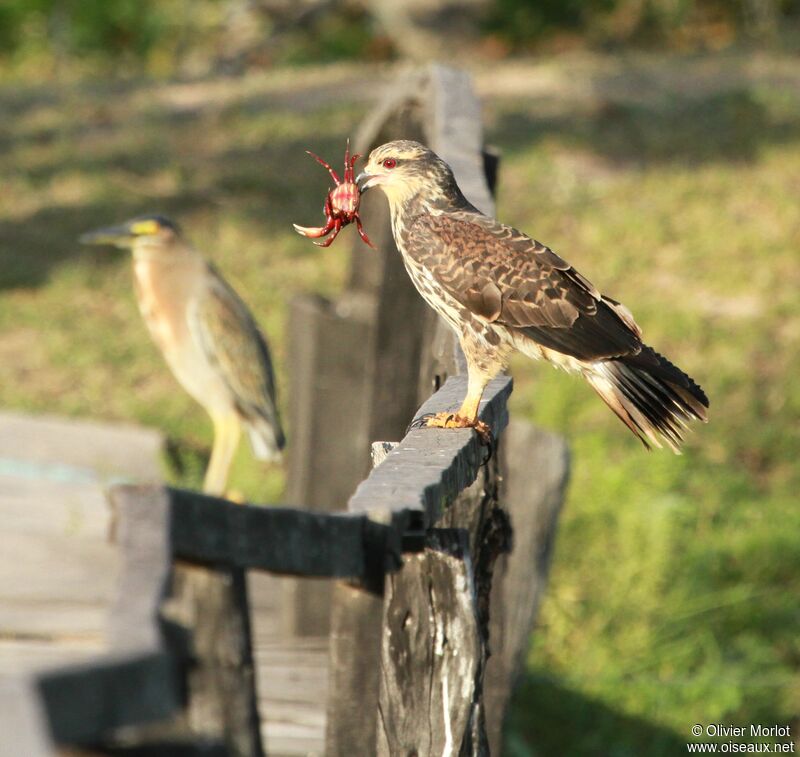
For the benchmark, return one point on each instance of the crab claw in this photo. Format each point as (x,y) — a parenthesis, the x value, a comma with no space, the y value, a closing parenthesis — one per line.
(311,231)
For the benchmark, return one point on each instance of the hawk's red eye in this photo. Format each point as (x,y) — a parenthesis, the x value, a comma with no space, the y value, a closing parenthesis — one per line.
(389,163)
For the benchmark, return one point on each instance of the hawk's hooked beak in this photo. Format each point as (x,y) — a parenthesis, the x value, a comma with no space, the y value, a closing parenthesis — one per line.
(369,180)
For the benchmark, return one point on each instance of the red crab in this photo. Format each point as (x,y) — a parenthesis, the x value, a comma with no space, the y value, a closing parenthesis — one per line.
(341,204)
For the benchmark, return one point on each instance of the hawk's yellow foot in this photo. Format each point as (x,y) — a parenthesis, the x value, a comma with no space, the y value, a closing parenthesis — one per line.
(453,420)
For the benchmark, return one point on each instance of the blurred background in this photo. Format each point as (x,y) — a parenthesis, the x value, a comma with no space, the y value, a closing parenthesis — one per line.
(653,143)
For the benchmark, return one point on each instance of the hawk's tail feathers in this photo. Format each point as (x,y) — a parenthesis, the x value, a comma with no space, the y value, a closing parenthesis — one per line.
(652,397)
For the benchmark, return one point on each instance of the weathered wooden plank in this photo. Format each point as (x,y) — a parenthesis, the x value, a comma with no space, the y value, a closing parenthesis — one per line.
(431,652)
(88,701)
(22,656)
(77,451)
(159,748)
(291,675)
(431,466)
(142,518)
(84,703)
(199,528)
(328,365)
(353,681)
(354,656)
(55,622)
(47,614)
(484,534)
(456,132)
(23,722)
(280,540)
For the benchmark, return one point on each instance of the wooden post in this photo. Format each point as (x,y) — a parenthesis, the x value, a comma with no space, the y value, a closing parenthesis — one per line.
(355,643)
(329,368)
(204,613)
(212,605)
(439,477)
(431,653)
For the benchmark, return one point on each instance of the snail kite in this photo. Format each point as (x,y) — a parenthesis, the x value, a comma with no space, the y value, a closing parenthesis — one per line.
(502,291)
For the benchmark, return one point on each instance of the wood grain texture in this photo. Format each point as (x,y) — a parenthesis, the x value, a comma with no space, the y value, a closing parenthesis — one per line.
(431,651)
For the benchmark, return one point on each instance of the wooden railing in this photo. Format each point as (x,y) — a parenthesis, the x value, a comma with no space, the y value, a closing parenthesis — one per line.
(429,580)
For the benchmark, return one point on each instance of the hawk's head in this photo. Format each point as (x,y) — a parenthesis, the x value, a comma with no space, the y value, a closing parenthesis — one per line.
(404,169)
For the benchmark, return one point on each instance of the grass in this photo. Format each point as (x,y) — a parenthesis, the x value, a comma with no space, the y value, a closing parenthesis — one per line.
(673,591)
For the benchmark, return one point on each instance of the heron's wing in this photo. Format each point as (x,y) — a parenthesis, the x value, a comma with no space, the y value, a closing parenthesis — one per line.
(232,342)
(507,278)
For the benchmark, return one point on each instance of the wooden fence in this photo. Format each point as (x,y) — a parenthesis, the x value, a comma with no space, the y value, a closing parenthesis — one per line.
(429,580)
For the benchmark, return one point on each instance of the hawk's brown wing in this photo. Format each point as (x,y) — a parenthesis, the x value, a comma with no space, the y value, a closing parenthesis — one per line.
(502,275)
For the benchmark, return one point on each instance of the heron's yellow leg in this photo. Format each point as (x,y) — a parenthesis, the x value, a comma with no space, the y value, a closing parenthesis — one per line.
(227,430)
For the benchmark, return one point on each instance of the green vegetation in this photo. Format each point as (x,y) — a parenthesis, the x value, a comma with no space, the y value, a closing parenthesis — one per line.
(673,598)
(675,578)
(165,37)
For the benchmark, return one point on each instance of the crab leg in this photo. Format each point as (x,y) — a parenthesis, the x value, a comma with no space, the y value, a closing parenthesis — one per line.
(363,234)
(314,231)
(334,175)
(337,227)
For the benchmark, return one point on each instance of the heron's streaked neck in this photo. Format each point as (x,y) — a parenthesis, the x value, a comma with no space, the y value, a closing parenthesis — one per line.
(157,251)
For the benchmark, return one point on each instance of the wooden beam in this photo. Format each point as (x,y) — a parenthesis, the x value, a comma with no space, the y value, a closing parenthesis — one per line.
(430,467)
(157,525)
(276,539)
(354,656)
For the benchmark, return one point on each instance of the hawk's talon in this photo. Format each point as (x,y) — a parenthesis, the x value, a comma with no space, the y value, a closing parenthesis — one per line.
(450,419)
(485,435)
(420,422)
